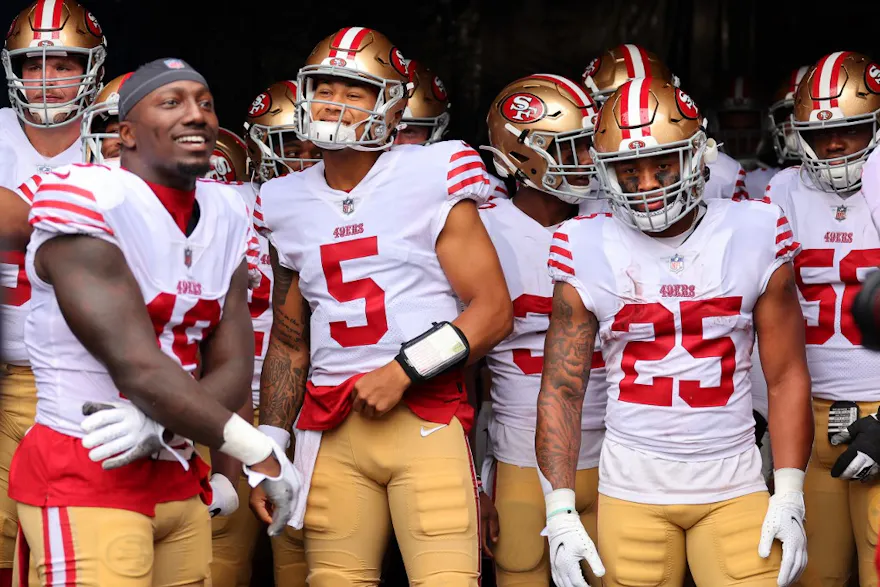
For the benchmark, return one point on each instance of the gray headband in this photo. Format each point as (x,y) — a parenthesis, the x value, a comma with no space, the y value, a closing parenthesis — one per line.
(152,76)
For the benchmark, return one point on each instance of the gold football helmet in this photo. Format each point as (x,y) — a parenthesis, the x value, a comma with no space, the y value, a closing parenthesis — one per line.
(537,125)
(49,28)
(96,119)
(617,66)
(644,118)
(365,56)
(229,159)
(785,140)
(269,133)
(428,104)
(842,89)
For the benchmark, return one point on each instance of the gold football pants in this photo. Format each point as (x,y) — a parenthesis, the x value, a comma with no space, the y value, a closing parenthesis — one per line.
(395,471)
(522,558)
(18,407)
(842,516)
(644,545)
(97,547)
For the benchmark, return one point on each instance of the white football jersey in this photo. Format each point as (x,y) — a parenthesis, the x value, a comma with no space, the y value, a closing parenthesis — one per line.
(726,179)
(184,280)
(676,324)
(516,362)
(841,245)
(757,180)
(499,190)
(18,162)
(366,259)
(260,297)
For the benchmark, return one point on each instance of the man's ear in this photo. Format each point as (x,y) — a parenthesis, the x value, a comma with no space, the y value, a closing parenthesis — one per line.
(127,134)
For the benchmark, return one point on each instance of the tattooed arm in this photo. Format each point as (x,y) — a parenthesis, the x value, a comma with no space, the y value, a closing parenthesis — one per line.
(286,367)
(568,353)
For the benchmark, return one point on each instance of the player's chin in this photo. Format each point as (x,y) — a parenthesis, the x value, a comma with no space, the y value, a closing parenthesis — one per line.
(193,166)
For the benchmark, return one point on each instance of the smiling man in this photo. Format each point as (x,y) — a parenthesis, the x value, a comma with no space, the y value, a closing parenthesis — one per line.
(372,249)
(836,110)
(131,511)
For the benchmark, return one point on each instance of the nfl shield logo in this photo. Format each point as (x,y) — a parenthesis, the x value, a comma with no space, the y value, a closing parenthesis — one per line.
(676,263)
(347,206)
(174,64)
(187,257)
(840,213)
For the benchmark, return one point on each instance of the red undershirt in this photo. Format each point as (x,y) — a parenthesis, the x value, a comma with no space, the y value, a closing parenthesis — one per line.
(179,203)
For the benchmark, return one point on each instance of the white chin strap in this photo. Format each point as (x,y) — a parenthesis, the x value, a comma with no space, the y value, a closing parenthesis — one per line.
(643,220)
(39,111)
(331,135)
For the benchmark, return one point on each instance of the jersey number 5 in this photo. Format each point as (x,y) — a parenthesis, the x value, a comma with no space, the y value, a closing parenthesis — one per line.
(366,289)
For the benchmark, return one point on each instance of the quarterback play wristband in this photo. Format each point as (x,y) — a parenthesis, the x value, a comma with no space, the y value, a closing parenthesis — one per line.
(788,480)
(560,501)
(244,442)
(279,435)
(442,347)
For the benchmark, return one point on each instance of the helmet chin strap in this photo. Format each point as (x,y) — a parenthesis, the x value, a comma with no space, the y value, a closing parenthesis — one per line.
(40,112)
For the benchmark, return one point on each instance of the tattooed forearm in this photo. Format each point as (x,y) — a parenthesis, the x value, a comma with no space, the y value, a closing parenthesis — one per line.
(286,366)
(568,353)
(282,387)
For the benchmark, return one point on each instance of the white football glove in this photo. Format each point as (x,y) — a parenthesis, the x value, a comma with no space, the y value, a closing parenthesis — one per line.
(225,500)
(569,541)
(282,490)
(121,429)
(785,522)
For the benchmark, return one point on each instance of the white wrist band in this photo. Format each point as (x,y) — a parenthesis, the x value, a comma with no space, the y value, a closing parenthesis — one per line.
(279,435)
(788,480)
(560,501)
(244,442)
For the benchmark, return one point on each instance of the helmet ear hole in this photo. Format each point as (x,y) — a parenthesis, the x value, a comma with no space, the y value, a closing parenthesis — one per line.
(519,157)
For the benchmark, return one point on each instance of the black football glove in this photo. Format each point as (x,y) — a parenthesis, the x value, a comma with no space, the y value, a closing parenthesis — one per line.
(861,458)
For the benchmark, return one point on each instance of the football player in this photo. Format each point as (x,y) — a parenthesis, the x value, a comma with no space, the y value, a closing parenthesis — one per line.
(100,126)
(626,62)
(52,58)
(785,140)
(95,472)
(740,117)
(427,110)
(540,130)
(659,282)
(372,249)
(836,114)
(273,148)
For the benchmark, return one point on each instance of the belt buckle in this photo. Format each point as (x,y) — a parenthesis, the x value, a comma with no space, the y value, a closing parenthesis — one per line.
(840,415)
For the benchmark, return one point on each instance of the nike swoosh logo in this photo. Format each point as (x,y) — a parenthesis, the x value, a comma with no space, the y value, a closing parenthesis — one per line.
(428,431)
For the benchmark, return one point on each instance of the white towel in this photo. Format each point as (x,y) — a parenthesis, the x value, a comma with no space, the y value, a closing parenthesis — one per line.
(305,453)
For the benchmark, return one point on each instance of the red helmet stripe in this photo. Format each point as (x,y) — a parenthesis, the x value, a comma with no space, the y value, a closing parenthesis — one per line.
(356,43)
(337,41)
(580,97)
(291,85)
(644,113)
(634,57)
(646,62)
(624,110)
(56,18)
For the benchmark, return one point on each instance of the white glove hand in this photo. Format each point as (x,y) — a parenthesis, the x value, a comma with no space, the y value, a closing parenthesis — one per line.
(281,490)
(785,522)
(119,429)
(225,500)
(569,541)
